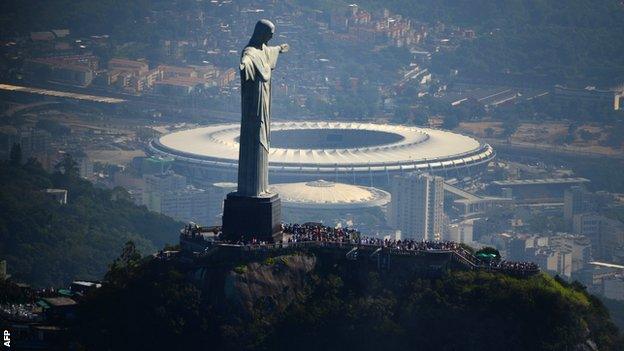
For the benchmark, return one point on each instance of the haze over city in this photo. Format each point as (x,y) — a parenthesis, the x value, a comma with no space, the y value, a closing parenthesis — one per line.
(318,175)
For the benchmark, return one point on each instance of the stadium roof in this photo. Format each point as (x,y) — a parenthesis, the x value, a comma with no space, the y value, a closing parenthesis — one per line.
(332,146)
(321,194)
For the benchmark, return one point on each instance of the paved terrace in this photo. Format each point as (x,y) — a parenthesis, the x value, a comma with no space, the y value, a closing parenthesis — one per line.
(205,241)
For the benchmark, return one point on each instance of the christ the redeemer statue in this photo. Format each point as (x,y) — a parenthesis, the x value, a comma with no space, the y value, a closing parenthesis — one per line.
(257,62)
(251,211)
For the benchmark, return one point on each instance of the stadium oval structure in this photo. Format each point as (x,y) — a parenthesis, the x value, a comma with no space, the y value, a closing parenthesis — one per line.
(349,152)
(331,203)
(324,195)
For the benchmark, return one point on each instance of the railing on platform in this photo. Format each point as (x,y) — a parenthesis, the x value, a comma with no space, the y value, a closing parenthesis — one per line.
(354,244)
(459,254)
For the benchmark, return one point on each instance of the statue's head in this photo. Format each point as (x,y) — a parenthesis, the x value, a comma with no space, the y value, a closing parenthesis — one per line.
(263,32)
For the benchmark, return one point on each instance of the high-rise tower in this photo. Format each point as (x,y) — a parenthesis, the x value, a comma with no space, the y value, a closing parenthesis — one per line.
(417,206)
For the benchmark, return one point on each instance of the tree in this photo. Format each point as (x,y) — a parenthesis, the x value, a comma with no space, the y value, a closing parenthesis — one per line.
(47,244)
(16,154)
(124,265)
(450,122)
(68,167)
(509,127)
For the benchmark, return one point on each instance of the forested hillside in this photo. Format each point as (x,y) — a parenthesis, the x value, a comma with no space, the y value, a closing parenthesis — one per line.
(49,244)
(336,306)
(576,42)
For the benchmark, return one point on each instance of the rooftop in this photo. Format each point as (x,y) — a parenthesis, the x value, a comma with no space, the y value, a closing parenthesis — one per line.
(342,146)
(59,301)
(540,181)
(322,194)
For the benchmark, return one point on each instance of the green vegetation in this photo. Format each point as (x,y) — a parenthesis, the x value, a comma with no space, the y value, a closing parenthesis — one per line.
(240,269)
(49,244)
(605,174)
(347,309)
(538,41)
(11,293)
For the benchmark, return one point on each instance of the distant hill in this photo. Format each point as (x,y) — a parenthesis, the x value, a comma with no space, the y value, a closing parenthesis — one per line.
(529,41)
(305,301)
(49,244)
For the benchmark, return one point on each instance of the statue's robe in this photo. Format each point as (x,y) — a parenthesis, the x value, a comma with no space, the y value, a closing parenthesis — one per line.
(253,158)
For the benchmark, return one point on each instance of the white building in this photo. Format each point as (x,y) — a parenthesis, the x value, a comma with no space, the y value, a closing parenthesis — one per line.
(555,261)
(417,206)
(59,195)
(578,246)
(164,182)
(187,205)
(576,200)
(169,194)
(460,232)
(332,203)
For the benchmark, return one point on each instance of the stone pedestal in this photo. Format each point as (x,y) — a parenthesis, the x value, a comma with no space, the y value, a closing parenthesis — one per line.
(252,217)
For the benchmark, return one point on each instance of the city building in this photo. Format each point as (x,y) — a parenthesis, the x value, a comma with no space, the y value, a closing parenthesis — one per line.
(164,182)
(70,69)
(587,224)
(555,262)
(618,101)
(613,288)
(130,75)
(152,165)
(178,86)
(576,200)
(188,205)
(169,194)
(417,206)
(461,232)
(525,247)
(33,142)
(548,190)
(124,65)
(468,204)
(59,195)
(606,235)
(578,246)
(611,240)
(85,165)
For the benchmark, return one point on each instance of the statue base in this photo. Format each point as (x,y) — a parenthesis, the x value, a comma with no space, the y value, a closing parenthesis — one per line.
(250,217)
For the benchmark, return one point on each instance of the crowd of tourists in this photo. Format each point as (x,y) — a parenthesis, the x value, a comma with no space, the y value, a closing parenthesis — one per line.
(517,267)
(294,233)
(316,232)
(306,232)
(311,232)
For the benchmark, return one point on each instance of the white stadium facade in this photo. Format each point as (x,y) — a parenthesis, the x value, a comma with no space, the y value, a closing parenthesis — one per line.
(348,152)
(332,203)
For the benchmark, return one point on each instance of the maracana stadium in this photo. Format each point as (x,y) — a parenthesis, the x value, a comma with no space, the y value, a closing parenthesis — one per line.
(348,152)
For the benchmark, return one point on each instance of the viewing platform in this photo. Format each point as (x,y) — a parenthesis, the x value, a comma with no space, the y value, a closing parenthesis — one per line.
(202,243)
